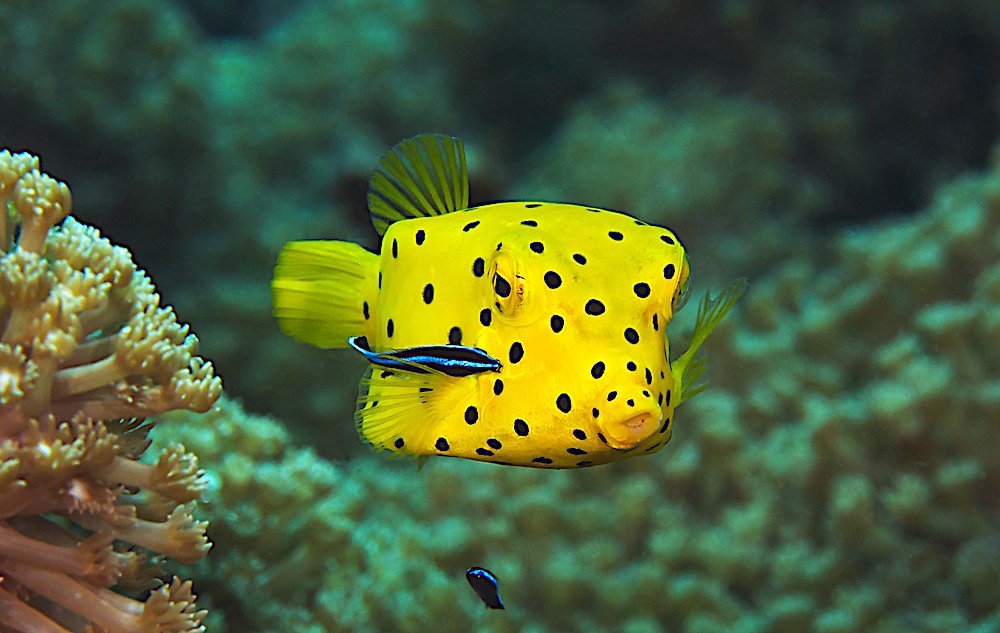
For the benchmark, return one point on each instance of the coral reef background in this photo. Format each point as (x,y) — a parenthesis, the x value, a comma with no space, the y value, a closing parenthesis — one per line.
(840,474)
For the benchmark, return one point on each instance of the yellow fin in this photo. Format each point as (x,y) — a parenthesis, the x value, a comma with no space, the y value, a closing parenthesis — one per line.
(420,176)
(687,369)
(404,413)
(322,291)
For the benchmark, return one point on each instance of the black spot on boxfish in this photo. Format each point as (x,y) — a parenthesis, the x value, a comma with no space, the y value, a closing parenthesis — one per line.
(596,412)
(420,237)
(471,225)
(398,443)
(585,463)
(630,402)
(553,280)
(395,248)
(667,239)
(516,352)
(478,267)
(579,434)
(441,444)
(641,290)
(497,387)
(529,223)
(645,393)
(380,279)
(501,286)
(428,293)
(652,448)
(668,397)
(520,427)
(631,336)
(631,366)
(572,450)
(485,316)
(389,328)
(426,389)
(471,415)
(659,399)
(484,452)
(579,259)
(668,271)
(649,376)
(656,322)
(386,374)
(593,209)
(594,307)
(538,247)
(455,335)
(597,370)
(563,403)
(601,437)
(666,425)
(615,235)
(494,444)
(612,395)
(542,460)
(364,310)
(557,323)
(532,205)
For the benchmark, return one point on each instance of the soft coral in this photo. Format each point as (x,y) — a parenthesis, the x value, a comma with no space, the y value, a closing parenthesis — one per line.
(86,352)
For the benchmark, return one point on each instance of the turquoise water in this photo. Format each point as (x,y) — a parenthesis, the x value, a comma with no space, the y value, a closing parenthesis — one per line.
(839,475)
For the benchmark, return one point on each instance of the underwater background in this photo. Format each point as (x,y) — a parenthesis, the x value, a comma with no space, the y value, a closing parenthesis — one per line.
(842,472)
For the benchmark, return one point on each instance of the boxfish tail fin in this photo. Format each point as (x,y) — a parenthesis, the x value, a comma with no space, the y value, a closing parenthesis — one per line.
(406,413)
(689,368)
(323,291)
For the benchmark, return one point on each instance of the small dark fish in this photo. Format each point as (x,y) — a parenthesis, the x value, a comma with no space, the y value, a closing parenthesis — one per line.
(485,584)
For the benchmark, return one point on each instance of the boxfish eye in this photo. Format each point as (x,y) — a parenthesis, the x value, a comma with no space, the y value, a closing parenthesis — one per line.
(508,286)
(501,286)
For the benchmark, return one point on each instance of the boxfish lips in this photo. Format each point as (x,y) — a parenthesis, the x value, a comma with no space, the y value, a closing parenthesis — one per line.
(631,425)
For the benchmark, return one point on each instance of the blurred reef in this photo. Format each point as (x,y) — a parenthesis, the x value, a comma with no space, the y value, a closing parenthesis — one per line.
(839,476)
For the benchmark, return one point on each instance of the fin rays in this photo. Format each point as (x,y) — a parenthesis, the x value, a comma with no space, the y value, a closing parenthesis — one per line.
(421,176)
(688,369)
(319,289)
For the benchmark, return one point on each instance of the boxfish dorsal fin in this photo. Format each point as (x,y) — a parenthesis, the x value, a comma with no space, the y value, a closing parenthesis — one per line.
(421,176)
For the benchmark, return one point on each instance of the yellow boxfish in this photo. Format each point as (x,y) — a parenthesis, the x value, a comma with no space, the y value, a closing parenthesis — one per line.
(522,333)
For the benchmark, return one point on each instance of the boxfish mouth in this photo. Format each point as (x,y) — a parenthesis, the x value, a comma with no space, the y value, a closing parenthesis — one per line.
(631,431)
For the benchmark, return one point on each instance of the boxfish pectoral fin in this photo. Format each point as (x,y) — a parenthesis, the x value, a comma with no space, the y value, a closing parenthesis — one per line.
(689,367)
(421,176)
(404,412)
(451,360)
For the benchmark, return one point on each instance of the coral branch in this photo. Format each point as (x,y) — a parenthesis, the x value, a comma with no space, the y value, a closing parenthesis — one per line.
(18,616)
(86,351)
(92,558)
(169,609)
